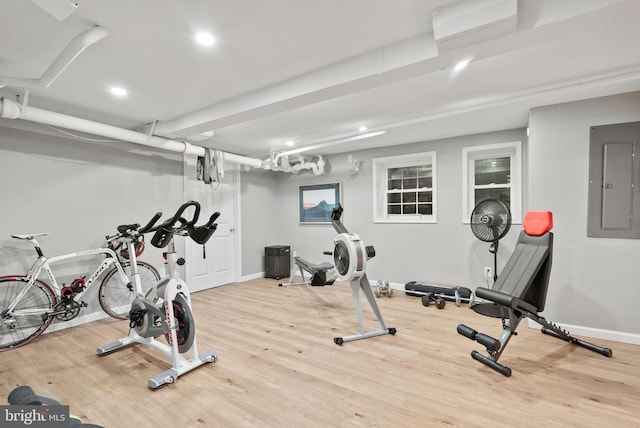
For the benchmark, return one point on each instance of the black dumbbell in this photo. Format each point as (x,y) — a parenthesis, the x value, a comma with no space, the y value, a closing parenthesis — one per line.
(430,297)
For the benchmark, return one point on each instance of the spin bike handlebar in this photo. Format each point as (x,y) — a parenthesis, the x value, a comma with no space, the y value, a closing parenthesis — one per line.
(147,228)
(201,234)
(134,229)
(165,231)
(177,223)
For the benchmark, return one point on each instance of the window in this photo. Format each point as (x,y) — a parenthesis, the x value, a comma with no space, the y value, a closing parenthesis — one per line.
(493,171)
(404,188)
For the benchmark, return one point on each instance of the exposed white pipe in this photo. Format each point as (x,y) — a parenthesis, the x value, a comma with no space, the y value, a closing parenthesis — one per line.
(11,110)
(285,165)
(75,47)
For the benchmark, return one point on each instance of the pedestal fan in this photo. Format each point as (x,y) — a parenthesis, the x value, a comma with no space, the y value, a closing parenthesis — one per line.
(490,222)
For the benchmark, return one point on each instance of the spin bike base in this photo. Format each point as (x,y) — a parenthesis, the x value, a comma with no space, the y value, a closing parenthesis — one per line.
(181,365)
(171,375)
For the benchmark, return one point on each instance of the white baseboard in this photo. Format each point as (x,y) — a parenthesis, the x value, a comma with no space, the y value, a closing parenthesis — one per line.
(62,325)
(393,285)
(595,333)
(590,332)
(252,276)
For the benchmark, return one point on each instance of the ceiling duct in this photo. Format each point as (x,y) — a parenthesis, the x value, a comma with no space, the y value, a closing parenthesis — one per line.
(472,21)
(59,9)
(75,47)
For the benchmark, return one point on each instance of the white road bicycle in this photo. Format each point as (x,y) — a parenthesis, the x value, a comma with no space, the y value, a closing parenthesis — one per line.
(28,304)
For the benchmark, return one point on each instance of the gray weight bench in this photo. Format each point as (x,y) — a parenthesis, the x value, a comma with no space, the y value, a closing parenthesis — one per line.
(520,292)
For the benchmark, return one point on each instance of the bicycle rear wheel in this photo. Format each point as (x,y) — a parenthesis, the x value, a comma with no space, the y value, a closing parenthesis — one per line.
(30,317)
(116,297)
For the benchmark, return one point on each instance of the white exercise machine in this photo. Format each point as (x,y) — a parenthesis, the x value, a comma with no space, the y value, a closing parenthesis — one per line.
(166,309)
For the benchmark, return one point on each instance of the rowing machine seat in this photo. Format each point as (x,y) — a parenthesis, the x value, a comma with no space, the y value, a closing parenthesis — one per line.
(317,271)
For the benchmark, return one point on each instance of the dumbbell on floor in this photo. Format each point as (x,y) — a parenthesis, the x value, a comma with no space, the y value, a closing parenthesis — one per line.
(431,297)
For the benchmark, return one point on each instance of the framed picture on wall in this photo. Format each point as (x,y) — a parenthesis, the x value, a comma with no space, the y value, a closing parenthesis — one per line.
(317,201)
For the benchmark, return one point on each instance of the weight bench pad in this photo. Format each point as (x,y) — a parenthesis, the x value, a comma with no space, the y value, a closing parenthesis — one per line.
(524,280)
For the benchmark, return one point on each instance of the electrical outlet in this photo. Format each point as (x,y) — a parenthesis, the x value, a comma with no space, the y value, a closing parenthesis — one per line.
(488,272)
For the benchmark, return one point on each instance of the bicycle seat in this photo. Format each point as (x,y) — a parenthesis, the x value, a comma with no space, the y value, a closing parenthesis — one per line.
(30,236)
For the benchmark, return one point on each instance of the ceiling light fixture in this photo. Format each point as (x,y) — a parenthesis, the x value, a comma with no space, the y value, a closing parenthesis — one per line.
(462,64)
(118,91)
(362,128)
(205,39)
(290,143)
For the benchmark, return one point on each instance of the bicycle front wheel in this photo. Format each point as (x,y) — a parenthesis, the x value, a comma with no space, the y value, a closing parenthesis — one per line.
(30,317)
(116,296)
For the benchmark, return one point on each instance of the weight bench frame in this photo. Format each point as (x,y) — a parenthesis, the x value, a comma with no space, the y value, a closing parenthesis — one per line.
(520,292)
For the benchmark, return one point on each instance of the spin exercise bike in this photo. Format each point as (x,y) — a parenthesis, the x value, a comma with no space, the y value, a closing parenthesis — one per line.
(166,309)
(350,260)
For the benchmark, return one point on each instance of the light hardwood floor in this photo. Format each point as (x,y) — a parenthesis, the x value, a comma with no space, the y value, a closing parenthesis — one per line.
(279,367)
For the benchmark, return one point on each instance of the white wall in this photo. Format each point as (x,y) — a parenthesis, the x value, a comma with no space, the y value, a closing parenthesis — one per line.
(446,252)
(260,225)
(79,192)
(595,282)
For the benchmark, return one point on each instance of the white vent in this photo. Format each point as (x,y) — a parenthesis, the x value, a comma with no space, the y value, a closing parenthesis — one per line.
(472,21)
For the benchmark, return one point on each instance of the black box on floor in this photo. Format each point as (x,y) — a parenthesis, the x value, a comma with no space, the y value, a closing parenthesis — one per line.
(277,261)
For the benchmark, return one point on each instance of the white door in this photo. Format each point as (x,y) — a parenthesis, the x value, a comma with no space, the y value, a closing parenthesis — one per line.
(217,264)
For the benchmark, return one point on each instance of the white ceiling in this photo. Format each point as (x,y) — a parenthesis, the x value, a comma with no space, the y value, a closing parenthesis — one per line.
(313,71)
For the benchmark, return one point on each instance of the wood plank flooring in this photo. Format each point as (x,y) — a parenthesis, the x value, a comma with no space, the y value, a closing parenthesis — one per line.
(279,367)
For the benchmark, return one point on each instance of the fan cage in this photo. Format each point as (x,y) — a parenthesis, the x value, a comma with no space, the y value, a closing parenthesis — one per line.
(490,220)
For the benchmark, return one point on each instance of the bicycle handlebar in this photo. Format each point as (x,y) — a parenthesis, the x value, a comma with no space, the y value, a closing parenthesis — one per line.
(177,218)
(212,219)
(147,228)
(201,234)
(176,224)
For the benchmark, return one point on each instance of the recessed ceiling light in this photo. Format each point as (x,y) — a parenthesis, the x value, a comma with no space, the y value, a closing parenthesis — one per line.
(362,128)
(462,64)
(118,91)
(290,143)
(205,39)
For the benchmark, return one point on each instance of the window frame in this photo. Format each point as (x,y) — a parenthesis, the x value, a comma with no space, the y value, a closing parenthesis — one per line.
(513,150)
(380,191)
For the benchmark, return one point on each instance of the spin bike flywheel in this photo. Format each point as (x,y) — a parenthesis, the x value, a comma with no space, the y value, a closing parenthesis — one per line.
(186,326)
(150,320)
(349,257)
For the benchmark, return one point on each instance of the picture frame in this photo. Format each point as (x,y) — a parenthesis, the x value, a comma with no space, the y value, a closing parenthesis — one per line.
(317,201)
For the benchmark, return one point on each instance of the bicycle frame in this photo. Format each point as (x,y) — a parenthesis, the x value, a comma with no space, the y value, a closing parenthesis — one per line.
(43,264)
